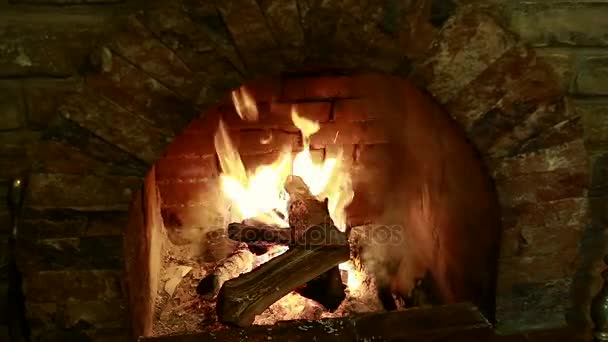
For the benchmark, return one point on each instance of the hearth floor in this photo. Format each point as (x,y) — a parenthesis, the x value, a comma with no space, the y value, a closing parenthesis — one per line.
(454,323)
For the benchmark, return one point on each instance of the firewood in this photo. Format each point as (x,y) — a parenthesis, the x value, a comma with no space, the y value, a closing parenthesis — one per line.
(242,298)
(240,261)
(307,212)
(317,247)
(327,289)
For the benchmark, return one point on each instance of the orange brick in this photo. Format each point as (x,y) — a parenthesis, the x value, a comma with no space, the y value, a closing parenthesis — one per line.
(201,125)
(353,110)
(377,154)
(195,167)
(366,207)
(277,115)
(323,87)
(349,133)
(265,121)
(264,89)
(316,111)
(198,216)
(264,141)
(184,192)
(253,161)
(190,145)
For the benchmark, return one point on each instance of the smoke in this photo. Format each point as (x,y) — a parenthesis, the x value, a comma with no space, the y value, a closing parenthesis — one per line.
(399,255)
(199,230)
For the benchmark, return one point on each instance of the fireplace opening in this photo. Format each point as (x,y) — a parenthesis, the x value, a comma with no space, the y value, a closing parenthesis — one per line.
(311,197)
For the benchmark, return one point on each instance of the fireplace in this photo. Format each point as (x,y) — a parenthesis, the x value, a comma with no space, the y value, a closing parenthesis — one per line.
(453,133)
(401,170)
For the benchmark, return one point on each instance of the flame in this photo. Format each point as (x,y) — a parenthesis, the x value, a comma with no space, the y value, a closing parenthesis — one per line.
(325,180)
(307,127)
(260,194)
(354,277)
(314,175)
(245,104)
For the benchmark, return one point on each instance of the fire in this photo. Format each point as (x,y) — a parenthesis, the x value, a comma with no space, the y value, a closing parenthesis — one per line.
(245,104)
(354,277)
(260,194)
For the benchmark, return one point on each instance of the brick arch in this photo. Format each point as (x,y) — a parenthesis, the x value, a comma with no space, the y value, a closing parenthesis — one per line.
(171,61)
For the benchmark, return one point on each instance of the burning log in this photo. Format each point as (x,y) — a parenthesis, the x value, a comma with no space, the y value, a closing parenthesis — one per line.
(316,250)
(239,262)
(242,298)
(365,242)
(305,211)
(327,289)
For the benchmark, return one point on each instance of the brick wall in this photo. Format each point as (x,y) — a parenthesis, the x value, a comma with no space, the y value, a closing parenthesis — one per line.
(44,48)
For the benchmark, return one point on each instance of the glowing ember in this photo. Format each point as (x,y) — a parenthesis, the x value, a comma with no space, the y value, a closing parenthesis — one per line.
(354,277)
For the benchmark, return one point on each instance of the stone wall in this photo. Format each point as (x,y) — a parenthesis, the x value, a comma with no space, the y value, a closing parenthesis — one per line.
(44,49)
(573,37)
(174,61)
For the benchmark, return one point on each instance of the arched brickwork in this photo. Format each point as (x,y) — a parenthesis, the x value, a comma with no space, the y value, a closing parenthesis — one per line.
(175,59)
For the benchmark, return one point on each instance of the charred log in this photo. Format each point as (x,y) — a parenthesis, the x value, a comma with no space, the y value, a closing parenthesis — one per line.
(307,213)
(258,248)
(327,289)
(242,298)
